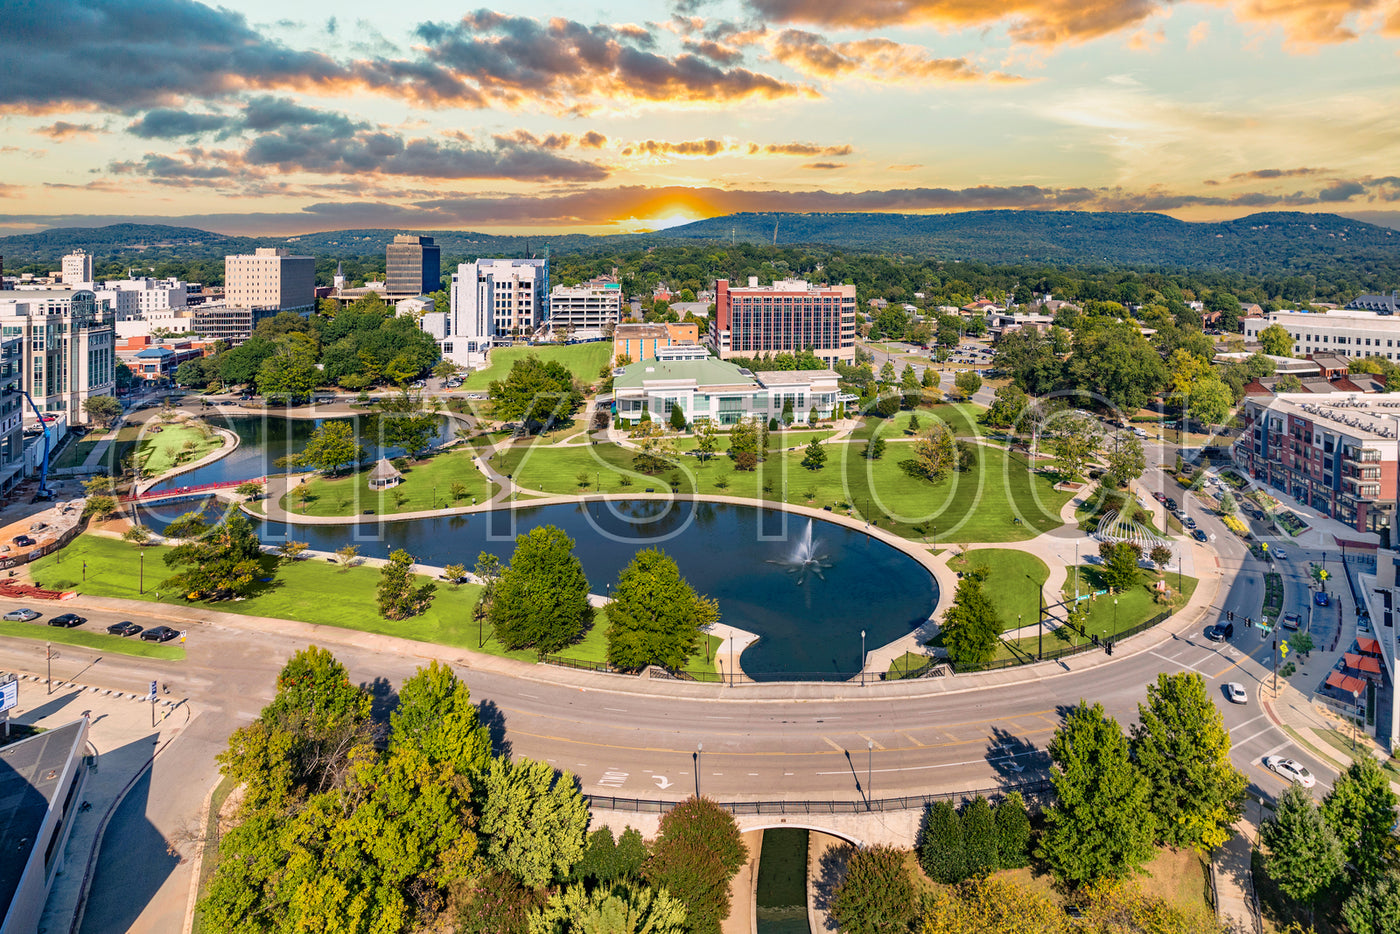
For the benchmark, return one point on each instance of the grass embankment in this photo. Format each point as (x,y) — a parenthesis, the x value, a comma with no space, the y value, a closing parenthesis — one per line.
(158,450)
(312,590)
(961,418)
(981,504)
(583,360)
(777,440)
(1013,584)
(89,639)
(427,485)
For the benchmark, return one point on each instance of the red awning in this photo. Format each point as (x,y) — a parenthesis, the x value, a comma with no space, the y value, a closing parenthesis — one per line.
(1368,645)
(1346,683)
(1363,663)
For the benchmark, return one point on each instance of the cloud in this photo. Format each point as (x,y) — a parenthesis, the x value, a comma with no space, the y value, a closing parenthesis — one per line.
(1341,191)
(824,165)
(63,130)
(1199,33)
(593,140)
(875,59)
(905,167)
(515,61)
(168,123)
(694,147)
(800,149)
(1264,174)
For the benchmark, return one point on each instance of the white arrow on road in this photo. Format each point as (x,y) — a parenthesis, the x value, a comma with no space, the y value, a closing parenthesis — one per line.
(662,782)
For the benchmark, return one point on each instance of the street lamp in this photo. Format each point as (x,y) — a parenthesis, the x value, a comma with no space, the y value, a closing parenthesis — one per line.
(1115,617)
(142,556)
(699,748)
(862,658)
(1356,702)
(869,758)
(48,657)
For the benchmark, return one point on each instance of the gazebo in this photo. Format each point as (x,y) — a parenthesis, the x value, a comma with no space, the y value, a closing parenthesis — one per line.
(384,475)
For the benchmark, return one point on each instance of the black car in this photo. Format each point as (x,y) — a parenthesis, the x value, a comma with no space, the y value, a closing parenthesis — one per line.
(67,620)
(24,540)
(159,634)
(1199,535)
(1220,632)
(1172,505)
(124,628)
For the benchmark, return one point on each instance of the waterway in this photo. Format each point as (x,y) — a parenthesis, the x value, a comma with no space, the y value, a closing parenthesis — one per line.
(781,900)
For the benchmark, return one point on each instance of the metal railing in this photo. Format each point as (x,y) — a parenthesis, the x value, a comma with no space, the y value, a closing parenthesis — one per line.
(187,490)
(1063,651)
(1037,794)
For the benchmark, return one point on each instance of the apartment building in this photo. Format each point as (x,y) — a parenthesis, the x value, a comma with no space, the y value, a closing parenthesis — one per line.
(497,300)
(1336,454)
(413,266)
(270,280)
(143,297)
(785,317)
(1349,333)
(77,270)
(68,349)
(586,310)
(11,413)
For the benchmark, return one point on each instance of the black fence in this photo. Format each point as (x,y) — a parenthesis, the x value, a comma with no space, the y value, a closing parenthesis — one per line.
(1037,794)
(1064,651)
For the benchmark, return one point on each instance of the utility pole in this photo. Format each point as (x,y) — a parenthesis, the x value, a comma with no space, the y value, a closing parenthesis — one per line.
(869,759)
(1276,666)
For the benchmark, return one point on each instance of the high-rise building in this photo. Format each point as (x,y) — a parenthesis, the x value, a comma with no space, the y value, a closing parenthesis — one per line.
(68,351)
(499,299)
(77,269)
(587,309)
(413,266)
(11,414)
(786,317)
(270,281)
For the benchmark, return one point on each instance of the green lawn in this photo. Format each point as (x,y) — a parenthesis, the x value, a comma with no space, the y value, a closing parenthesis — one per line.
(906,663)
(313,591)
(90,639)
(961,417)
(776,439)
(979,505)
(1134,606)
(159,450)
(427,484)
(1013,582)
(583,360)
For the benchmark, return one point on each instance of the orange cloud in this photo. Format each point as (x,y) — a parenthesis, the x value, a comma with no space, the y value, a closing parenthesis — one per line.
(800,149)
(876,59)
(63,130)
(694,147)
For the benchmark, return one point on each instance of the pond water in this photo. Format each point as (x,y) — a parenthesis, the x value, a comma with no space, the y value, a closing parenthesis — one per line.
(806,587)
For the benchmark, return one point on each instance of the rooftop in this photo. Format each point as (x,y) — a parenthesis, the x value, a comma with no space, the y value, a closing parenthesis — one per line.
(1358,415)
(29,779)
(709,372)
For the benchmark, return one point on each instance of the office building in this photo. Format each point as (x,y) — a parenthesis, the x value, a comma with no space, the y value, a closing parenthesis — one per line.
(1334,454)
(786,317)
(270,281)
(1379,304)
(11,413)
(585,311)
(413,266)
(1349,333)
(143,297)
(68,348)
(497,301)
(218,321)
(722,392)
(639,342)
(77,270)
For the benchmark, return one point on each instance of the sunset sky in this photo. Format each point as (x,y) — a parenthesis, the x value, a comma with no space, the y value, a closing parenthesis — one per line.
(269,117)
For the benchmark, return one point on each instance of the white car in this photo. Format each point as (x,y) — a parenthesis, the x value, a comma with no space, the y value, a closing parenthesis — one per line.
(1280,554)
(1235,692)
(1290,769)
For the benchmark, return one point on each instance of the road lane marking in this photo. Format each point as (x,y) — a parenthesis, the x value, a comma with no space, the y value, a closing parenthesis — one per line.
(1243,742)
(912,739)
(613,779)
(868,741)
(1246,723)
(833,744)
(615,709)
(1174,661)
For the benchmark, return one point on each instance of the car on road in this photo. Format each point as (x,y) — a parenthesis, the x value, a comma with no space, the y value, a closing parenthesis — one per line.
(1220,632)
(159,634)
(23,540)
(1280,554)
(1321,598)
(124,628)
(1292,621)
(1199,535)
(1188,522)
(1160,497)
(1172,505)
(22,615)
(67,620)
(1234,692)
(1290,769)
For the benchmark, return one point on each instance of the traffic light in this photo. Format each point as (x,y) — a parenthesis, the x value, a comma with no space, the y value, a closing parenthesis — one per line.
(1248,622)
(1230,616)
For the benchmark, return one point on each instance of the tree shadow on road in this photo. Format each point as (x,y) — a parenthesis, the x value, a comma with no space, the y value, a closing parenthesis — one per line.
(494,719)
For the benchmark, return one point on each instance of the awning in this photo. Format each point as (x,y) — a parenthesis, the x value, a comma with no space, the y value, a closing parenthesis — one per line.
(1368,645)
(1346,683)
(1363,663)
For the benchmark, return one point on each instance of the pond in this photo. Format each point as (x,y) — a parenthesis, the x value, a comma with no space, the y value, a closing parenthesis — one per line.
(806,587)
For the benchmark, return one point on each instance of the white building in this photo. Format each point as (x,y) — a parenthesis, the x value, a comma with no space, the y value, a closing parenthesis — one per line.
(498,299)
(77,270)
(143,297)
(1349,333)
(69,351)
(585,310)
(722,392)
(270,281)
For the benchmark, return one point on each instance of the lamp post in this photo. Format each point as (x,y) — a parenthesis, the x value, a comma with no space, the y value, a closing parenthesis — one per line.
(1356,702)
(1115,617)
(862,658)
(869,759)
(142,556)
(48,657)
(699,748)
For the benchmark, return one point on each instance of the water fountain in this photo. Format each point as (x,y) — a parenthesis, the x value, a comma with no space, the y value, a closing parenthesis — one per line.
(804,558)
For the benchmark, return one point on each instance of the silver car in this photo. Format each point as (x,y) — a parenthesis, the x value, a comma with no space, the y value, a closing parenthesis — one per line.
(1235,692)
(22,615)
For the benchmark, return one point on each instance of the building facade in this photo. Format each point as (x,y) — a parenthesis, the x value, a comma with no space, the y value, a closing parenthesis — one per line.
(413,266)
(585,310)
(1335,454)
(640,342)
(1348,333)
(77,270)
(722,392)
(143,297)
(498,300)
(68,351)
(11,413)
(785,317)
(270,280)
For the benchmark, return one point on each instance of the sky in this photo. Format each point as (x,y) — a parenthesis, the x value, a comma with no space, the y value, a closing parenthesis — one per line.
(263,117)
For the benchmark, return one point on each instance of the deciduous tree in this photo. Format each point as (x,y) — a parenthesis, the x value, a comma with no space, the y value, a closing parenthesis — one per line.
(935,452)
(876,896)
(1374,905)
(967,383)
(541,599)
(697,851)
(655,616)
(331,447)
(1360,809)
(225,562)
(533,821)
(103,409)
(398,596)
(1276,341)
(622,907)
(536,393)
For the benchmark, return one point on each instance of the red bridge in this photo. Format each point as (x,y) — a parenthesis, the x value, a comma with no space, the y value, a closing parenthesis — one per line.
(179,491)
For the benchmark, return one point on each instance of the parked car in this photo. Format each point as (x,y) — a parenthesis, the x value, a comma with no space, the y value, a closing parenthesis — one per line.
(1235,693)
(1290,769)
(1160,497)
(67,620)
(23,541)
(1321,598)
(1172,505)
(1189,522)
(1199,535)
(1220,632)
(22,615)
(159,634)
(124,628)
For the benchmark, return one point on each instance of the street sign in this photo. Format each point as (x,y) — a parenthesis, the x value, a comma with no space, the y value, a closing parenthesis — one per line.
(152,695)
(9,694)
(1283,648)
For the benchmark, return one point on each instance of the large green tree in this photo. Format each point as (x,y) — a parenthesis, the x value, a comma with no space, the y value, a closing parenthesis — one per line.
(1075,442)
(1181,744)
(537,393)
(290,373)
(935,452)
(655,617)
(1360,809)
(541,598)
(971,627)
(1009,404)
(533,821)
(1374,906)
(331,447)
(697,852)
(619,908)
(103,409)
(1125,460)
(1276,341)
(876,895)
(941,844)
(224,562)
(398,595)
(1101,827)
(1302,855)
